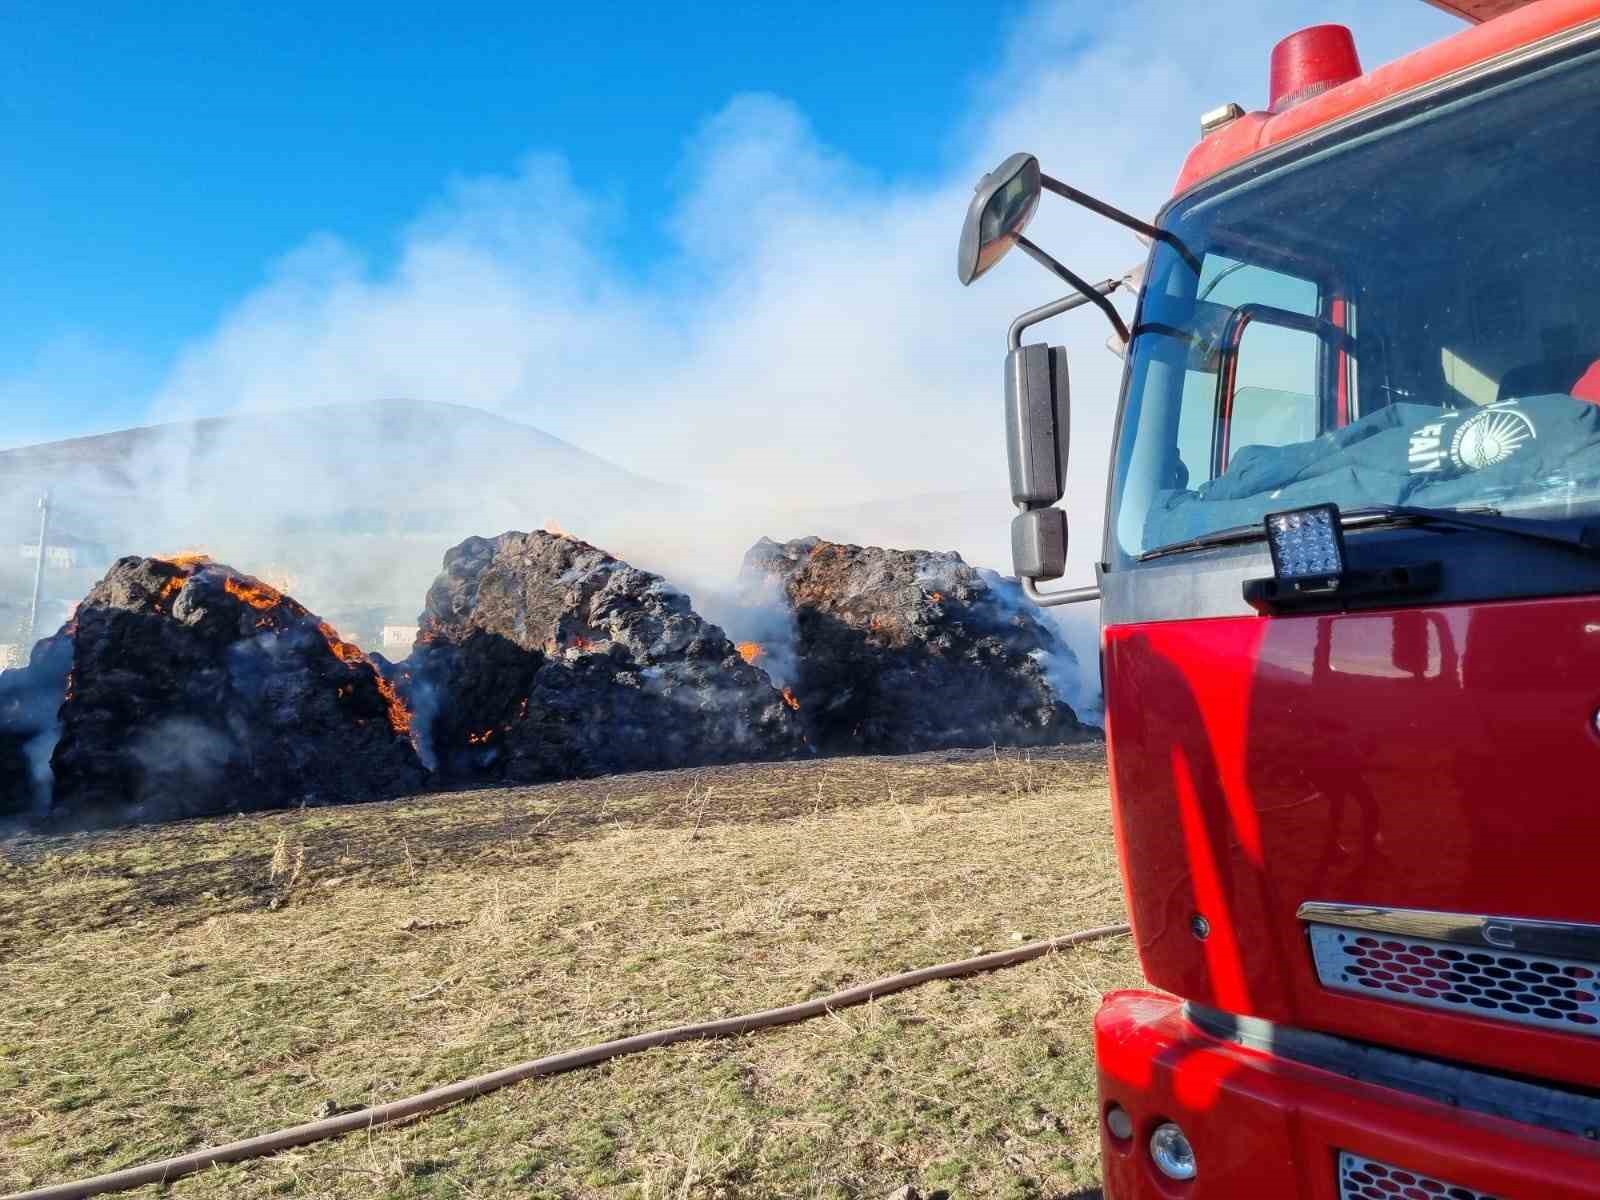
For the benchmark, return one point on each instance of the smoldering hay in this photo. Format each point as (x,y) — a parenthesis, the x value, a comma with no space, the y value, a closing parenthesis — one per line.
(192,689)
(542,657)
(903,650)
(184,687)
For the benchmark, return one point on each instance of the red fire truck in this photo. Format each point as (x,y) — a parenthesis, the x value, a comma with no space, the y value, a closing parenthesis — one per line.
(1350,605)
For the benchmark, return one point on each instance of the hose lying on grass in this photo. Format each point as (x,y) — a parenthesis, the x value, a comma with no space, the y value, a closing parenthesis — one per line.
(399,1110)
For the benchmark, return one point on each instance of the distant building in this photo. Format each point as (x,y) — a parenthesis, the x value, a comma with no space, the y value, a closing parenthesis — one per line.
(398,637)
(54,556)
(64,551)
(11,655)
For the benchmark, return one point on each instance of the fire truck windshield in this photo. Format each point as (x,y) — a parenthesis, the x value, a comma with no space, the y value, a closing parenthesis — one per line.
(1405,314)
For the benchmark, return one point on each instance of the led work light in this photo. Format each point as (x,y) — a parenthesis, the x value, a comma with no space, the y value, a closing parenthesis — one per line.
(1307,547)
(1310,571)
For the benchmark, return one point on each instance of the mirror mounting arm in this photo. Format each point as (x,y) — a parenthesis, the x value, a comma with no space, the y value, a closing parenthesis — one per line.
(1086,289)
(1111,213)
(1054,309)
(1030,589)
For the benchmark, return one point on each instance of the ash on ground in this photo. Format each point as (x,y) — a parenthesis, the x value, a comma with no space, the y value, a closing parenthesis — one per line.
(903,650)
(542,657)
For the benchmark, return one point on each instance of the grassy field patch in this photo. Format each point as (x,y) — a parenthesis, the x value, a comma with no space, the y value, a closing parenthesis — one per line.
(168,988)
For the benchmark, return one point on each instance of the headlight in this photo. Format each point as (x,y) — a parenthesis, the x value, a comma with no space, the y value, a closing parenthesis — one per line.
(1173,1155)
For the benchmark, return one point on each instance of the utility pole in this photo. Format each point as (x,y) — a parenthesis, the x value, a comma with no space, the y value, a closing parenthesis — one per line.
(38,570)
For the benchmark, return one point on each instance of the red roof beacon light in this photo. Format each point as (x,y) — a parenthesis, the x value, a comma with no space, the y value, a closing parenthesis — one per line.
(1310,62)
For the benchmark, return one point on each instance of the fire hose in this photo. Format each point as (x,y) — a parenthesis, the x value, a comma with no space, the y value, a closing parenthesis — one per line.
(264,1144)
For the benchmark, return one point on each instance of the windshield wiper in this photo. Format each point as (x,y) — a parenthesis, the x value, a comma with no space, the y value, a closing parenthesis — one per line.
(1582,539)
(1231,536)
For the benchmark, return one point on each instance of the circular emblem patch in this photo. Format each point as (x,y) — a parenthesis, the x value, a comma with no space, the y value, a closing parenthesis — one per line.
(1489,437)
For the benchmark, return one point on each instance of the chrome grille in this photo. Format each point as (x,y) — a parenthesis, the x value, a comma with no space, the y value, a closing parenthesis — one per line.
(1552,993)
(1362,1178)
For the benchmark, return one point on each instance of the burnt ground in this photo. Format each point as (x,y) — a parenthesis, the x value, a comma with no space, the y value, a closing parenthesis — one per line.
(147,871)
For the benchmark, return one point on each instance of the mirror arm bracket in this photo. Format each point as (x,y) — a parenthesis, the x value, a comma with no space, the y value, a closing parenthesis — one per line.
(1088,290)
(1030,589)
(1054,309)
(1127,220)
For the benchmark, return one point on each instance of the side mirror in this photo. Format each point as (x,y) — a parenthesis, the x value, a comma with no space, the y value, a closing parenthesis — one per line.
(1038,426)
(1039,544)
(1004,203)
(1038,423)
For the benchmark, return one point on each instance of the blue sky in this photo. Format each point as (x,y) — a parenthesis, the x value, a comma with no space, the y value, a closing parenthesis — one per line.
(155,168)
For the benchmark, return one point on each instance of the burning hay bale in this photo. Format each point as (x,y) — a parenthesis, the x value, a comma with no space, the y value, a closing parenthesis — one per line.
(895,651)
(542,657)
(195,689)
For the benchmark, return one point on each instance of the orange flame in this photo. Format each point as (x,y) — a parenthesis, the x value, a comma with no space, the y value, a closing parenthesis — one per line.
(399,718)
(479,738)
(253,592)
(347,652)
(788,698)
(750,651)
(936,597)
(263,597)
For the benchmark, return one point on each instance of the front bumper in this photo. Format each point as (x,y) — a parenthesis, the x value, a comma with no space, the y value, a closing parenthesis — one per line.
(1270,1127)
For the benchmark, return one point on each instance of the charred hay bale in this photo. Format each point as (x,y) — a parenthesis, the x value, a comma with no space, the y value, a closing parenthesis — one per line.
(542,657)
(195,689)
(904,650)
(30,698)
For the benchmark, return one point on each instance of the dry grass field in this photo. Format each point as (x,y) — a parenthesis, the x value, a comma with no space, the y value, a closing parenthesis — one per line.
(168,988)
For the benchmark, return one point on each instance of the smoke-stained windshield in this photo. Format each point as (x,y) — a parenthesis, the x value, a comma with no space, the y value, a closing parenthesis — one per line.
(1411,317)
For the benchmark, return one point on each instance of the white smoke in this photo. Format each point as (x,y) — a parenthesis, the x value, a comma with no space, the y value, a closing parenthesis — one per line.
(802,356)
(180,757)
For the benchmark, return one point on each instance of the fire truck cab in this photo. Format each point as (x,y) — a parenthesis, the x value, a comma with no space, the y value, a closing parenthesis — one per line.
(1350,613)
